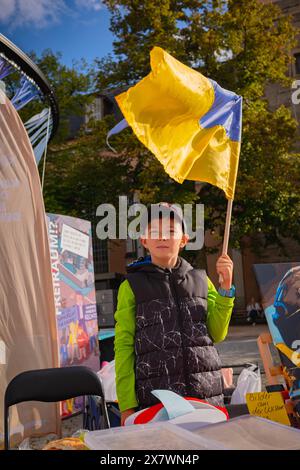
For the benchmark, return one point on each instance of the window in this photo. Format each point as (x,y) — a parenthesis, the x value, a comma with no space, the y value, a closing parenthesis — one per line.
(297,63)
(131,248)
(97,109)
(100,255)
(94,110)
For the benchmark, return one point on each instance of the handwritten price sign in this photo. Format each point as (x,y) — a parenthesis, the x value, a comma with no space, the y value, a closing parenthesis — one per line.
(269,406)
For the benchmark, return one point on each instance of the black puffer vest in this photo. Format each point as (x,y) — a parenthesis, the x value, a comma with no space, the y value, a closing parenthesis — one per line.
(172,346)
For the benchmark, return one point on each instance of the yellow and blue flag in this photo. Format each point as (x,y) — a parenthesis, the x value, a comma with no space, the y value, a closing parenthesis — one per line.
(190,123)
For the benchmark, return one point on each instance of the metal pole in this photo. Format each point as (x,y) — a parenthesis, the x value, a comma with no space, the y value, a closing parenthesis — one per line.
(45,153)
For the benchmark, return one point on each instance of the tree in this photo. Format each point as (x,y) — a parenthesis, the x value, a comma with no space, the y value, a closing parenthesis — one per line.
(80,172)
(72,87)
(82,175)
(245,45)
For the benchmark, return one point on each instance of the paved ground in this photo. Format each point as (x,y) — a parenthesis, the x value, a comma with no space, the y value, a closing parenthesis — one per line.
(240,345)
(246,331)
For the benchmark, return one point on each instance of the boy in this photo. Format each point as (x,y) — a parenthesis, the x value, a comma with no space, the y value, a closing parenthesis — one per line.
(168,316)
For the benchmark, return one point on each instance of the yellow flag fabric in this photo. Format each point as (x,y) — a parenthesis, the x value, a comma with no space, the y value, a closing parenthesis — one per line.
(190,123)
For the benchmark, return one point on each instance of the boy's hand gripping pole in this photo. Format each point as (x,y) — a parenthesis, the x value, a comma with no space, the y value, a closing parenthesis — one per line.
(226,232)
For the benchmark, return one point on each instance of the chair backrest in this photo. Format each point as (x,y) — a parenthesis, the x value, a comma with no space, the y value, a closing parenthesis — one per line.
(52,385)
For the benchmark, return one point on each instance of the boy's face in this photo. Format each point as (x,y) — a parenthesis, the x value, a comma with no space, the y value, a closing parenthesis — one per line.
(164,238)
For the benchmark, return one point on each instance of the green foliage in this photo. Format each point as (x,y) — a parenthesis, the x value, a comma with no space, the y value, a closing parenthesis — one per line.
(81,174)
(72,87)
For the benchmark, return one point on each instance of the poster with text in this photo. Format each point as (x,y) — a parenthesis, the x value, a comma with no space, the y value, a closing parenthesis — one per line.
(74,293)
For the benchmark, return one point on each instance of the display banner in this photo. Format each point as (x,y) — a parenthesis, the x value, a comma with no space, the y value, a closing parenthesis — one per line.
(28,334)
(74,293)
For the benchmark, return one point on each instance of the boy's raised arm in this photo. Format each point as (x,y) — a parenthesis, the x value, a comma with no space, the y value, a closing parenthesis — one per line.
(219,310)
(124,348)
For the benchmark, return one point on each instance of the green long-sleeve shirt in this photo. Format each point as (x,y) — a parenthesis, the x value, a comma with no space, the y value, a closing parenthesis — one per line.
(218,316)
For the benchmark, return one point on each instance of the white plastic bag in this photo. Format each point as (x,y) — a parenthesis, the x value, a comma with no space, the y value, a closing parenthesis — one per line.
(37,442)
(108,379)
(249,381)
(25,444)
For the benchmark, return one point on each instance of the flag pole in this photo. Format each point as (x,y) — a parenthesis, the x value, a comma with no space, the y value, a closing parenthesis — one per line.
(227,226)
(226,231)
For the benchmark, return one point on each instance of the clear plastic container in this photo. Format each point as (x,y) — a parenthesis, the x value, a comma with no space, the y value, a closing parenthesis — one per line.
(158,436)
(251,433)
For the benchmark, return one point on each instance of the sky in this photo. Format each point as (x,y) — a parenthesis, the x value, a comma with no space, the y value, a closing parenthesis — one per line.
(76,28)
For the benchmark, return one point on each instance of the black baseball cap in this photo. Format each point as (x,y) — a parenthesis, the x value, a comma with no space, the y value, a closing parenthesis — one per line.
(164,210)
